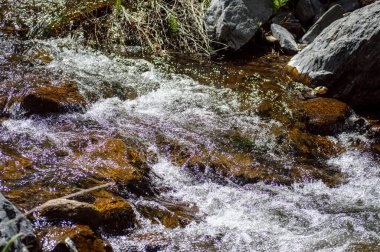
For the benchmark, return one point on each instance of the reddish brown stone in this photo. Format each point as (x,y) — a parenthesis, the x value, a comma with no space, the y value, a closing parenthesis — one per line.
(52,99)
(326,116)
(57,239)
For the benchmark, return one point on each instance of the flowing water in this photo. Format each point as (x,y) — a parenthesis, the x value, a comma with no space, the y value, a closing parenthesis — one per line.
(160,109)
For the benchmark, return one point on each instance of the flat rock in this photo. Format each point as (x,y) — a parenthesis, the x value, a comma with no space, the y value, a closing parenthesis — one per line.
(235,22)
(20,224)
(345,58)
(112,214)
(71,210)
(326,116)
(334,13)
(286,39)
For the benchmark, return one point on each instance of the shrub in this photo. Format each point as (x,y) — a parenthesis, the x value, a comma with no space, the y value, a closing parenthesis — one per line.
(278,4)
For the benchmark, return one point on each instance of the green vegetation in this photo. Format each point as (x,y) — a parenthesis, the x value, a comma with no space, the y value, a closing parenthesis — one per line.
(278,4)
(173,24)
(206,3)
(10,242)
(118,5)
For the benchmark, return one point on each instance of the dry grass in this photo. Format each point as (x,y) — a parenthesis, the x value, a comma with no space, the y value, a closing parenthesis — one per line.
(155,25)
(161,25)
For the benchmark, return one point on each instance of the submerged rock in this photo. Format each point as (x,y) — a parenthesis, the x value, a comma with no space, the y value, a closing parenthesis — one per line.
(116,215)
(334,13)
(13,223)
(309,145)
(326,116)
(168,214)
(41,97)
(345,58)
(73,238)
(235,22)
(251,167)
(117,162)
(286,39)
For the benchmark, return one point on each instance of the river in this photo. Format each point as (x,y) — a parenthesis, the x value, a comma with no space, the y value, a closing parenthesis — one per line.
(162,109)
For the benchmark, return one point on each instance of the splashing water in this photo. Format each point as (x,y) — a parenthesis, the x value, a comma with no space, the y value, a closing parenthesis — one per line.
(133,99)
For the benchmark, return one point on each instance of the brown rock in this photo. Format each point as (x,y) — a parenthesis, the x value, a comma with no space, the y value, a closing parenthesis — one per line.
(116,214)
(52,99)
(376,148)
(14,167)
(114,161)
(251,166)
(71,210)
(326,116)
(59,239)
(160,215)
(306,144)
(169,214)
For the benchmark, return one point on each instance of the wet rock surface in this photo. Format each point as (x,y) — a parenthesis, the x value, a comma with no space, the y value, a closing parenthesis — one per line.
(75,237)
(12,223)
(236,22)
(72,210)
(344,58)
(168,214)
(326,116)
(43,98)
(117,215)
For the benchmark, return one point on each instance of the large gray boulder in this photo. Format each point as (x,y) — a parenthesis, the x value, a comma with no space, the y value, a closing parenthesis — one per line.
(235,22)
(12,223)
(345,57)
(334,13)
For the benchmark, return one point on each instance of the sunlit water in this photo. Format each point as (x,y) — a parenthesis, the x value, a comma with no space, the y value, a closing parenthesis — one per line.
(132,99)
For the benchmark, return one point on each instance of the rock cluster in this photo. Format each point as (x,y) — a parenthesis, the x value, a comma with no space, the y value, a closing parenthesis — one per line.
(236,22)
(345,58)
